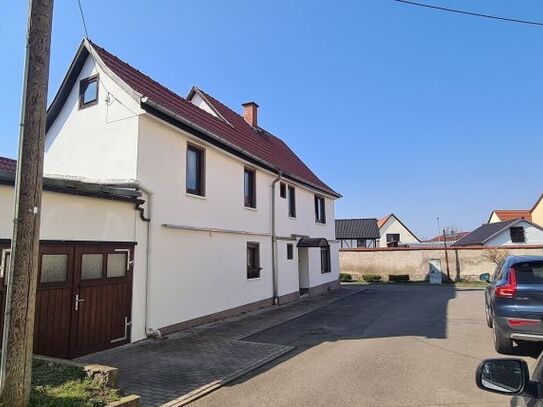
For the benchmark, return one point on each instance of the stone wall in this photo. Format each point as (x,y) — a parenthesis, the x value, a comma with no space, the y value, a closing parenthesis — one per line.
(464,262)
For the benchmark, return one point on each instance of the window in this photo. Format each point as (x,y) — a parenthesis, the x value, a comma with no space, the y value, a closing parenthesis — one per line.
(517,234)
(253,260)
(249,189)
(283,190)
(195,170)
(91,266)
(320,212)
(117,264)
(291,201)
(290,251)
(5,264)
(393,239)
(325,260)
(88,92)
(54,268)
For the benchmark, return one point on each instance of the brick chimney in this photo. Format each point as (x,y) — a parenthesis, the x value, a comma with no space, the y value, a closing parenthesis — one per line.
(250,110)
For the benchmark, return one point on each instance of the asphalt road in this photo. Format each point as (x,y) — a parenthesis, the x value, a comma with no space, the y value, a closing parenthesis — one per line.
(386,346)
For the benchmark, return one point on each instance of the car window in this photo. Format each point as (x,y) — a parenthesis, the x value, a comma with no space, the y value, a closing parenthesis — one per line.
(529,272)
(497,272)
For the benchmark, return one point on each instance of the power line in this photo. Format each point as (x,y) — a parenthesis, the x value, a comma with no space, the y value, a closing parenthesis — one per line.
(83,19)
(469,13)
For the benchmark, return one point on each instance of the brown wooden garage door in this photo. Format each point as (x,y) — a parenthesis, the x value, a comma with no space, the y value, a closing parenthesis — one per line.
(84,297)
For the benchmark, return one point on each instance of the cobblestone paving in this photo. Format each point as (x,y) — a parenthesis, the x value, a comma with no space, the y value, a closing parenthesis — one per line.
(163,370)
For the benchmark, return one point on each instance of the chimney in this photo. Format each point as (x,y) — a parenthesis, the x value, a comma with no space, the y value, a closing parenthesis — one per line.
(250,110)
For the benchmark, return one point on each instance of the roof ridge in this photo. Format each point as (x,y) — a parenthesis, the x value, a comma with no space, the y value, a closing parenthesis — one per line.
(166,88)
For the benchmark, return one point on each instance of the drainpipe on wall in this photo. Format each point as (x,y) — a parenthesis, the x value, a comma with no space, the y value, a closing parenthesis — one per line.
(274,243)
(150,332)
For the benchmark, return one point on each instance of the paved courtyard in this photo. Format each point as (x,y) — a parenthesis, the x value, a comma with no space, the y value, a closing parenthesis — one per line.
(204,357)
(387,346)
(378,345)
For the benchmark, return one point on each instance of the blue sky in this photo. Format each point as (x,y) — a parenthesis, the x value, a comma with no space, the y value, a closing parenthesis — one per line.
(401,109)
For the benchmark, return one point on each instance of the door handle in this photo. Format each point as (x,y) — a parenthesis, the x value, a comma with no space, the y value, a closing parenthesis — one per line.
(77,301)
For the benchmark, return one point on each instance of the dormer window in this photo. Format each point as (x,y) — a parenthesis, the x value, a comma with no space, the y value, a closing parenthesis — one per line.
(88,91)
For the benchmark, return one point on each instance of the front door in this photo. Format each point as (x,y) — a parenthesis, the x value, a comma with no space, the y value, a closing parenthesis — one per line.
(83,299)
(303,270)
(101,299)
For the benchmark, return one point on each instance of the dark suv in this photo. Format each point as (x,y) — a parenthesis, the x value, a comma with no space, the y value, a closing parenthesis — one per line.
(514,301)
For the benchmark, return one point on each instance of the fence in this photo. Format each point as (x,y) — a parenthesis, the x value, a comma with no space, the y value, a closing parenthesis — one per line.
(463,262)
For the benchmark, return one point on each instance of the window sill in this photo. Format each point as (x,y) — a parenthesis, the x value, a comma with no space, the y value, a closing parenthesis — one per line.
(253,279)
(292,218)
(203,197)
(320,223)
(250,208)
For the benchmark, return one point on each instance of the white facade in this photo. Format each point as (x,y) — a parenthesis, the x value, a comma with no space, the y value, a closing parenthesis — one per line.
(392,225)
(533,236)
(194,263)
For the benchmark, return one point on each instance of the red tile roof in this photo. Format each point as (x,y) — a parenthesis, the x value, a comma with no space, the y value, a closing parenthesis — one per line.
(505,215)
(237,132)
(382,221)
(7,164)
(450,238)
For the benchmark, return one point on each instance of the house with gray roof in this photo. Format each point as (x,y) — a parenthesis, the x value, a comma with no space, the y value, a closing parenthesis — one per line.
(354,233)
(516,232)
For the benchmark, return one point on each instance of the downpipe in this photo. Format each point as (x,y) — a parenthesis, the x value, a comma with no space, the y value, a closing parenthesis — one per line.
(275,276)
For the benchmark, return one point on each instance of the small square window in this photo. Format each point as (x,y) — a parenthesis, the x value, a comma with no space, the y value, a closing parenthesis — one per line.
(88,91)
(253,260)
(54,268)
(290,251)
(283,190)
(117,265)
(517,234)
(91,266)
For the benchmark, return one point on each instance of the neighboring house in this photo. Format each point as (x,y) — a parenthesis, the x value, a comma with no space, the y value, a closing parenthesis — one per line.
(535,214)
(509,233)
(232,220)
(353,233)
(503,215)
(451,237)
(393,233)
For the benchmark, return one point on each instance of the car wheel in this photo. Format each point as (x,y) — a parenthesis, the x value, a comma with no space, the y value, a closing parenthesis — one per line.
(488,316)
(502,343)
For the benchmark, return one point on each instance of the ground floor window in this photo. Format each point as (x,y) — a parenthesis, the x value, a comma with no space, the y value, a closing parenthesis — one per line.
(290,251)
(253,260)
(325,260)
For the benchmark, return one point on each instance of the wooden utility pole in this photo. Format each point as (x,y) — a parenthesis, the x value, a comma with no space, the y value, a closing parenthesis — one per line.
(16,362)
(446,255)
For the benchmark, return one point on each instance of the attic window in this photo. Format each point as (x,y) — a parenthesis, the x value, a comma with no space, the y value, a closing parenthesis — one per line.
(517,234)
(88,91)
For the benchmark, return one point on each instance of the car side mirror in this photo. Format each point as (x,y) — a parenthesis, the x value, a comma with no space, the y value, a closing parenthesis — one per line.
(504,376)
(485,277)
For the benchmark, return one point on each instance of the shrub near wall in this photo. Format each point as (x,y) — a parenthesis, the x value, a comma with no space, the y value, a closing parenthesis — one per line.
(464,262)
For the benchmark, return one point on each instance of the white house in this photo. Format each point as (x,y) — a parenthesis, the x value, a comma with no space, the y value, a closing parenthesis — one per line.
(231,219)
(394,233)
(516,232)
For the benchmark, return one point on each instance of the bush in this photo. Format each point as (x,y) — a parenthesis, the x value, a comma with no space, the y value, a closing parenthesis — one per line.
(398,278)
(345,277)
(371,278)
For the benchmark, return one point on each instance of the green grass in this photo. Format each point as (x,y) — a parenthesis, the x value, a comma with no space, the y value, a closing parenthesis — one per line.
(58,385)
